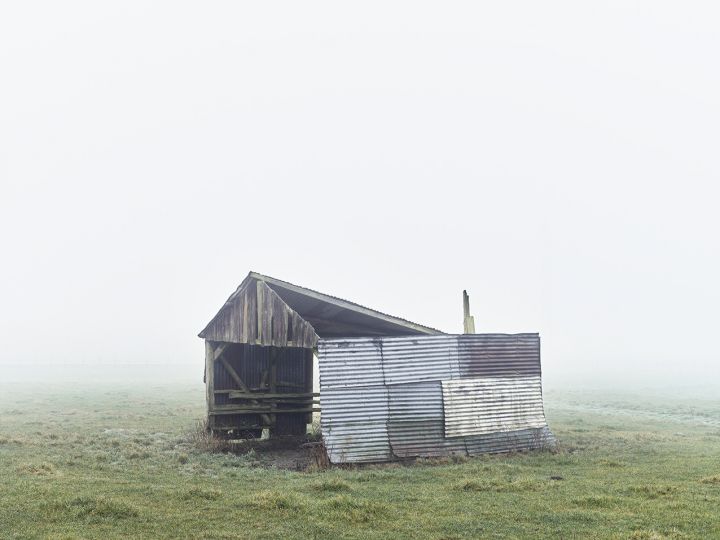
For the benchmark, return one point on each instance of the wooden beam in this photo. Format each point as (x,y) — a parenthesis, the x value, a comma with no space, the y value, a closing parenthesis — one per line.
(252,390)
(309,368)
(274,401)
(219,350)
(273,376)
(263,395)
(209,376)
(289,384)
(221,409)
(259,287)
(278,399)
(238,394)
(235,377)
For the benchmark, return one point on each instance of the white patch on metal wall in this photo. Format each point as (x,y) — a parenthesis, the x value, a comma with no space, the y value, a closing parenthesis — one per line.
(483,405)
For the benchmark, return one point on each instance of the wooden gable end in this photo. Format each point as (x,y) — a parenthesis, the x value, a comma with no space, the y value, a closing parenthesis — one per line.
(258,316)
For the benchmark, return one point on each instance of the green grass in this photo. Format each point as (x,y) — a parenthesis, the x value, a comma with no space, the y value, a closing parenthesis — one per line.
(120,462)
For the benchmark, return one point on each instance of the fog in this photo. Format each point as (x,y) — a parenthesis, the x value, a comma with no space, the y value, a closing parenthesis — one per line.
(557,160)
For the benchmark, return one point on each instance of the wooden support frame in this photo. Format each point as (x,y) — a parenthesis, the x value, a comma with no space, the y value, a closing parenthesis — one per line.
(273,378)
(218,355)
(281,406)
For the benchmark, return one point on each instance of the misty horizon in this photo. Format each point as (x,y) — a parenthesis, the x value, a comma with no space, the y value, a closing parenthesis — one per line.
(564,174)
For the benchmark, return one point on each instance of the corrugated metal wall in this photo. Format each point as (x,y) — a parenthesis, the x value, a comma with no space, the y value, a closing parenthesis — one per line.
(422,396)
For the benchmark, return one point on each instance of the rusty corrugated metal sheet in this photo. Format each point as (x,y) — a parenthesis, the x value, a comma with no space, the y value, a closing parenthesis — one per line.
(418,396)
(499,355)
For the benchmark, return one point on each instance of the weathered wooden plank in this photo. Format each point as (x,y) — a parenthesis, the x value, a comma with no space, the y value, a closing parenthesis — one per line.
(309,363)
(260,289)
(290,385)
(252,315)
(257,315)
(271,402)
(222,409)
(252,390)
(209,376)
(267,315)
(244,322)
(260,395)
(283,322)
(219,350)
(233,374)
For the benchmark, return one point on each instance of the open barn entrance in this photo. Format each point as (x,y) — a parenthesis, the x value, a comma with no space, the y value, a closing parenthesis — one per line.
(261,387)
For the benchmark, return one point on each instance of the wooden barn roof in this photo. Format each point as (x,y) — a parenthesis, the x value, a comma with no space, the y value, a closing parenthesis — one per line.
(329,316)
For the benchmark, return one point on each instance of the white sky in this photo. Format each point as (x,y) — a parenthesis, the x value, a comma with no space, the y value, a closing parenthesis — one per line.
(558,160)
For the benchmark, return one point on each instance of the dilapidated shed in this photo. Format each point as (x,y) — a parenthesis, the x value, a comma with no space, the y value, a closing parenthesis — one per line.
(389,388)
(259,352)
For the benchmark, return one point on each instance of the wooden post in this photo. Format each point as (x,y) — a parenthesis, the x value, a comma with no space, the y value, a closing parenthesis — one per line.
(209,380)
(309,379)
(273,378)
(468,320)
(260,311)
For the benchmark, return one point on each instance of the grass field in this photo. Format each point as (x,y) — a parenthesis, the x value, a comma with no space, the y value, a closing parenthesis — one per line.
(102,462)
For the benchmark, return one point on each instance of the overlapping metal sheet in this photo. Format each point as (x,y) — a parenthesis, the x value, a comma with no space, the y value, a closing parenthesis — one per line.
(420,396)
(415,427)
(484,405)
